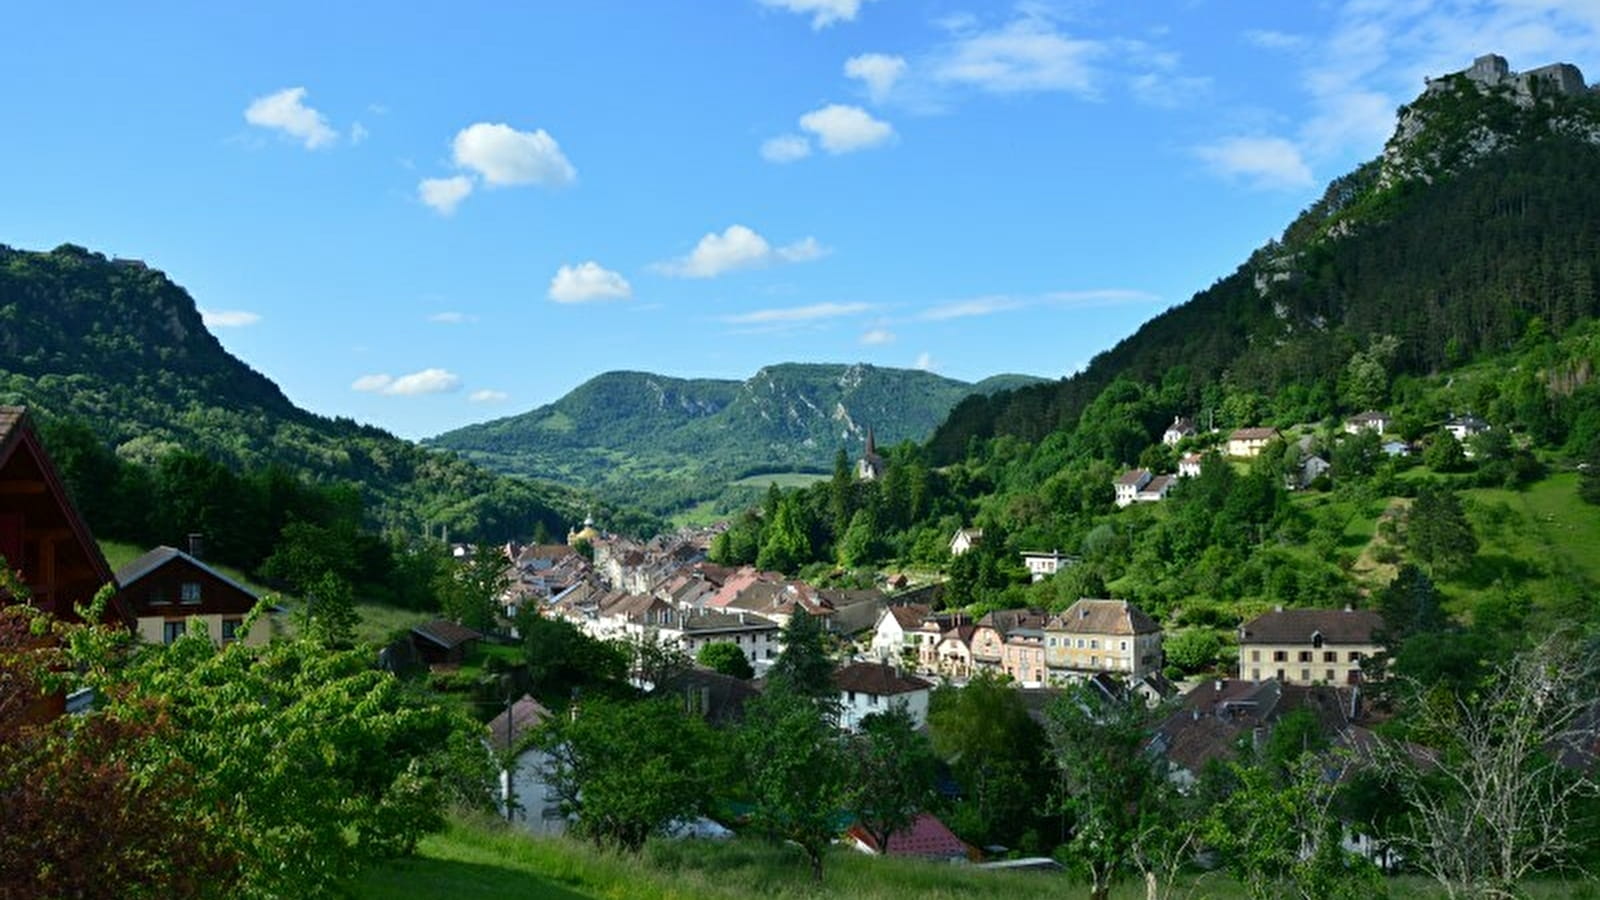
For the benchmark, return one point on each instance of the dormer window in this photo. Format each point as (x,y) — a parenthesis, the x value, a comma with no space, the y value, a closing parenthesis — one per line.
(1316,639)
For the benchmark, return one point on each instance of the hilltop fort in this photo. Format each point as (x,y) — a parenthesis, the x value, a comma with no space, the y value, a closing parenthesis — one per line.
(1492,71)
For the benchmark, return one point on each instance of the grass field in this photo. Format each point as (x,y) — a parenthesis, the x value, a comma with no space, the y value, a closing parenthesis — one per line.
(784,480)
(475,859)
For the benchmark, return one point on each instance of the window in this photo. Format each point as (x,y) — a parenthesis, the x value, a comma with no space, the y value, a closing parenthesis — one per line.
(1280,674)
(1080,643)
(1280,656)
(1094,660)
(1255,656)
(1094,643)
(1330,656)
(1355,656)
(1305,674)
(852,696)
(1124,645)
(1052,642)
(171,631)
(230,629)
(1329,677)
(872,699)
(159,597)
(1255,674)
(190,592)
(1305,656)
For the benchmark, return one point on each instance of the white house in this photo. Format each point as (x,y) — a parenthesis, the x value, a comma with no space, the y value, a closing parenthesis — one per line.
(1043,565)
(1130,484)
(965,539)
(1248,443)
(757,636)
(527,800)
(1371,420)
(897,630)
(867,688)
(1177,431)
(1155,490)
(1189,465)
(1463,427)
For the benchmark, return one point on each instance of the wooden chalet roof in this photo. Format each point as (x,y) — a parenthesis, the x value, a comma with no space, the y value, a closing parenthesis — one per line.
(1297,626)
(160,556)
(445,633)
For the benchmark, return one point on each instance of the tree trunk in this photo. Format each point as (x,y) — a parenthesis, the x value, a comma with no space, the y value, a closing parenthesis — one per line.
(815,855)
(1152,887)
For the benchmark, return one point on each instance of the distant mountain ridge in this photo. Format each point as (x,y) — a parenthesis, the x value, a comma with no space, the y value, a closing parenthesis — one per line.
(620,430)
(119,346)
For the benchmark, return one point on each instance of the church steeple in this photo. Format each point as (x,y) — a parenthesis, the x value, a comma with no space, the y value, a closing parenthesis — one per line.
(872,446)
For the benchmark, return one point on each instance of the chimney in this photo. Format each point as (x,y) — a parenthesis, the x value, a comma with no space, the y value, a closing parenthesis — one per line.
(197,545)
(1218,684)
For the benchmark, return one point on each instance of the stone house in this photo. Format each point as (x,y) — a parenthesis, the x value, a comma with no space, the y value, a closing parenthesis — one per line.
(1309,646)
(1102,636)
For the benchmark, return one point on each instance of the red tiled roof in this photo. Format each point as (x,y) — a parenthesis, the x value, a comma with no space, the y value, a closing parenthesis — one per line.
(927,837)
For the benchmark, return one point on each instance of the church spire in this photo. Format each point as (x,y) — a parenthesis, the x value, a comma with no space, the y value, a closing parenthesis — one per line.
(872,446)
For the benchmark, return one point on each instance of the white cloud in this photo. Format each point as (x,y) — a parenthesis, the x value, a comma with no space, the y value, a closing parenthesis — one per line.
(1100,297)
(284,111)
(488,396)
(822,12)
(502,155)
(1027,54)
(785,148)
(845,129)
(980,306)
(877,337)
(372,384)
(358,133)
(925,362)
(737,247)
(588,281)
(452,318)
(427,381)
(792,314)
(228,318)
(1266,162)
(878,71)
(444,194)
(1274,40)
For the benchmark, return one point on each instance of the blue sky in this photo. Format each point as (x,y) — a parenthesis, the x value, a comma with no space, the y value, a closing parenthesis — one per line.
(427,215)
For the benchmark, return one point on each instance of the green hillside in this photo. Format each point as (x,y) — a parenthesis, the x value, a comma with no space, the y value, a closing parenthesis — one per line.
(118,347)
(674,441)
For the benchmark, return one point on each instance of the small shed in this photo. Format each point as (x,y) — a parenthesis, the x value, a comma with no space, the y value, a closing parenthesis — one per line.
(443,641)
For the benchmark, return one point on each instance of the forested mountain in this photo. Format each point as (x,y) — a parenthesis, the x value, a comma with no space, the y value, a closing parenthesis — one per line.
(676,440)
(1482,215)
(120,348)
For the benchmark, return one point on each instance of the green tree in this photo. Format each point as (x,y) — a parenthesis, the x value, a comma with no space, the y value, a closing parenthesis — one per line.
(805,667)
(727,658)
(562,660)
(893,773)
(329,615)
(862,543)
(1410,606)
(1444,453)
(796,767)
(1193,649)
(627,769)
(1111,791)
(469,590)
(785,541)
(994,749)
(1437,531)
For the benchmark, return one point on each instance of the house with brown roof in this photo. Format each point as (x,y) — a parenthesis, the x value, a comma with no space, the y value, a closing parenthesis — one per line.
(526,799)
(1177,431)
(965,539)
(995,629)
(1022,657)
(1309,646)
(1189,465)
(1128,485)
(167,587)
(1247,443)
(951,656)
(42,536)
(896,631)
(1102,636)
(442,641)
(869,687)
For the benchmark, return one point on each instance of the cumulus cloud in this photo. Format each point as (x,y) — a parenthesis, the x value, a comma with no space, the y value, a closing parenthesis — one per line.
(444,194)
(846,129)
(793,314)
(358,133)
(877,337)
(737,247)
(286,112)
(488,395)
(878,71)
(822,12)
(1264,162)
(427,381)
(586,282)
(452,318)
(228,318)
(503,156)
(785,148)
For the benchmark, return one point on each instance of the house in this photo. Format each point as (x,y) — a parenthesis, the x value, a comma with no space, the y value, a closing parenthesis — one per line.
(965,539)
(1371,420)
(713,696)
(1177,431)
(926,838)
(42,537)
(1312,468)
(951,656)
(896,631)
(1155,490)
(167,587)
(443,641)
(1102,636)
(1042,565)
(1396,448)
(1189,465)
(1247,443)
(926,636)
(527,801)
(1129,484)
(995,629)
(757,636)
(870,467)
(1463,427)
(1309,646)
(869,687)
(1022,656)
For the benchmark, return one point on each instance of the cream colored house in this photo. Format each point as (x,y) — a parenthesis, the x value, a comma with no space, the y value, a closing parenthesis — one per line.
(167,587)
(1247,443)
(1309,646)
(1102,636)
